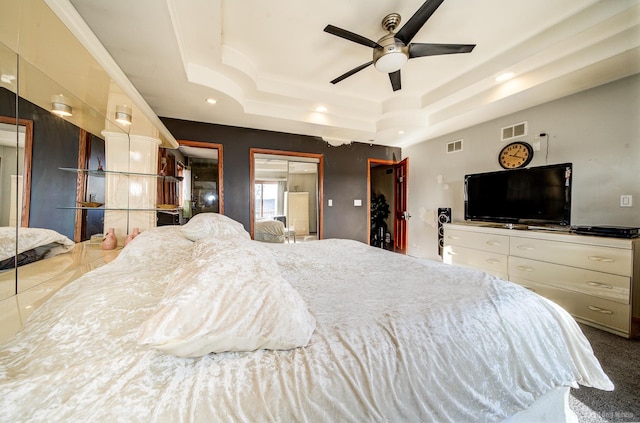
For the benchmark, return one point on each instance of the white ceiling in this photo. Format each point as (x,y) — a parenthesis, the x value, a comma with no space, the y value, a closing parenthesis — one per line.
(268,63)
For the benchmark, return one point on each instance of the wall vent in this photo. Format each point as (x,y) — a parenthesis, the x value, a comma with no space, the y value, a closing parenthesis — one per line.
(454,146)
(513,131)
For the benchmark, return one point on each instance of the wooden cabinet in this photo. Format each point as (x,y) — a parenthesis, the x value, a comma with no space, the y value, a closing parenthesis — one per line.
(296,206)
(595,279)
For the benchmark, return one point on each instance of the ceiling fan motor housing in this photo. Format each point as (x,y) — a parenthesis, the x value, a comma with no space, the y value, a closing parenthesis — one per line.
(391,55)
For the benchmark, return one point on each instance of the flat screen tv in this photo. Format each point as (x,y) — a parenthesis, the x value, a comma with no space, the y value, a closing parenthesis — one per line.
(536,196)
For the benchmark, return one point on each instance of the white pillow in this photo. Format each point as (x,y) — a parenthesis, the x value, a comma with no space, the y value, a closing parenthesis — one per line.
(204,225)
(230,297)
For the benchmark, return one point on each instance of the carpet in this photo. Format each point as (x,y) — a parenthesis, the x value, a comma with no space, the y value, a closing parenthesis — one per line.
(620,359)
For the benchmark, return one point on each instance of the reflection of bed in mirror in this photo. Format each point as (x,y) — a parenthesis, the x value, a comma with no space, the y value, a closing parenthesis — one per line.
(225,328)
(32,244)
(51,143)
(269,230)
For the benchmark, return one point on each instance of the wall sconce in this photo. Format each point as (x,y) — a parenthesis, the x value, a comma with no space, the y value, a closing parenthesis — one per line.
(60,107)
(123,115)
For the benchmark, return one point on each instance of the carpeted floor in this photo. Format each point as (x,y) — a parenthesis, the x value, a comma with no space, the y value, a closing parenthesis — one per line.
(620,359)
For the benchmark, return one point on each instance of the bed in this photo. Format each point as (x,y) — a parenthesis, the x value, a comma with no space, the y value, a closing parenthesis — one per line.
(269,230)
(330,330)
(33,244)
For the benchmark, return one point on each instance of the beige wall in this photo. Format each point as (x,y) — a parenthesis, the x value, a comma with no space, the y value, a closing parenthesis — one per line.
(597,130)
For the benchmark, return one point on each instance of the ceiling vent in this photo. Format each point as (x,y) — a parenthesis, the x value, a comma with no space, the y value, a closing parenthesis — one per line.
(513,131)
(454,146)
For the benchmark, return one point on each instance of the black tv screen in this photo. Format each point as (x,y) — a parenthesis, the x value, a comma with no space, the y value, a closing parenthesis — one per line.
(535,195)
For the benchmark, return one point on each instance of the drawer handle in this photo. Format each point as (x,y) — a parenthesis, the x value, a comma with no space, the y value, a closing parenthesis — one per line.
(525,268)
(525,248)
(493,243)
(598,284)
(453,237)
(601,259)
(493,261)
(599,310)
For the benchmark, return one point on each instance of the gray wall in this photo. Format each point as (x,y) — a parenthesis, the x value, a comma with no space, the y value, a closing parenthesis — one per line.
(345,171)
(597,130)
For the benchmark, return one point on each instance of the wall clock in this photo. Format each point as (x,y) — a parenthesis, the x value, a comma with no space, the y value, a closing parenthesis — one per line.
(516,154)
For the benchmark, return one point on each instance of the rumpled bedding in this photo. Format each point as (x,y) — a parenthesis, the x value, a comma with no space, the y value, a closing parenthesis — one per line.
(396,339)
(31,238)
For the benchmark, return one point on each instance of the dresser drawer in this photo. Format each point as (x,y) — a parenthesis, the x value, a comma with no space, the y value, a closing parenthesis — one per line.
(493,263)
(479,241)
(591,309)
(604,285)
(601,259)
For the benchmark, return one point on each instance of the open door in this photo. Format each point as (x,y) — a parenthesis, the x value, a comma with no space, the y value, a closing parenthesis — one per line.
(389,178)
(401,215)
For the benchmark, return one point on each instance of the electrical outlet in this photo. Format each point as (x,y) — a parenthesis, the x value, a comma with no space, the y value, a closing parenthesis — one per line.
(626,201)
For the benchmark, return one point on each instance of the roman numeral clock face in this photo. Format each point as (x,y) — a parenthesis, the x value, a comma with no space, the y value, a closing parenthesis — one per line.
(515,155)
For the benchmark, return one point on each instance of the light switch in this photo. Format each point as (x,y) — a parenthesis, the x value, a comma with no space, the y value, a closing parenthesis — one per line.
(330,203)
(357,203)
(626,201)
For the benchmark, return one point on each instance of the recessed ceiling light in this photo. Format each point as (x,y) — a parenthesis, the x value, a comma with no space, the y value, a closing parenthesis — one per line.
(212,101)
(400,132)
(504,76)
(321,109)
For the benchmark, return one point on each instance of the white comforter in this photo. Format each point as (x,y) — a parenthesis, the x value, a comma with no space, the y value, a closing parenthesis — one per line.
(396,339)
(30,238)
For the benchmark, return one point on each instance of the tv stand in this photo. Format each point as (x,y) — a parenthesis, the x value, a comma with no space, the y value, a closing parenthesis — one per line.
(596,279)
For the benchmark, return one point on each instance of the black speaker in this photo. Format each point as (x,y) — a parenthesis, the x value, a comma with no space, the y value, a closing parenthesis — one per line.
(444,216)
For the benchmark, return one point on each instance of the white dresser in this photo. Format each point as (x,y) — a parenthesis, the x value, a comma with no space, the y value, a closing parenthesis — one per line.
(596,279)
(296,206)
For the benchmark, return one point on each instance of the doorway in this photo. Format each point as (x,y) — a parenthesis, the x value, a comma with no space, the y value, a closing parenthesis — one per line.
(387,204)
(287,186)
(197,168)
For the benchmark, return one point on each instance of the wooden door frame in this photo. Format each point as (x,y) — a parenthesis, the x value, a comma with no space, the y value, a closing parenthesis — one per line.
(252,181)
(26,166)
(382,162)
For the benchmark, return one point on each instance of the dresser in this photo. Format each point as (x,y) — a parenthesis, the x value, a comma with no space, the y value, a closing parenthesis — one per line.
(596,279)
(296,206)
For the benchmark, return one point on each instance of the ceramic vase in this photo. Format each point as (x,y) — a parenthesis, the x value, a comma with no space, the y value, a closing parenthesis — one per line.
(110,241)
(132,235)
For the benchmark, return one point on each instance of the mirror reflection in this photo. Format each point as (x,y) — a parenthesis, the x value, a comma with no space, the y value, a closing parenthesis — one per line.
(197,187)
(12,139)
(285,191)
(48,203)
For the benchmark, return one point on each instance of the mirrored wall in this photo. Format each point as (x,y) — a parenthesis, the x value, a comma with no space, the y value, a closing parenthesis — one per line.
(286,187)
(47,135)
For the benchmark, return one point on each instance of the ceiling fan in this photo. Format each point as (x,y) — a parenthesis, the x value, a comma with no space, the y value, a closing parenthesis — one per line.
(393,50)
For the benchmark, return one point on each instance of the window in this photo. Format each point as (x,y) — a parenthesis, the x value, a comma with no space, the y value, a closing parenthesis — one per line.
(266,197)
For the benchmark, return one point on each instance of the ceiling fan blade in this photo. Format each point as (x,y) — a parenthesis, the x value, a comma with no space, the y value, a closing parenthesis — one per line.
(351,72)
(413,25)
(425,49)
(348,35)
(395,80)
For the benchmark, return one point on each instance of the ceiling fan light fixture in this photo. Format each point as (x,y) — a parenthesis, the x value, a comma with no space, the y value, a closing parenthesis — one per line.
(391,62)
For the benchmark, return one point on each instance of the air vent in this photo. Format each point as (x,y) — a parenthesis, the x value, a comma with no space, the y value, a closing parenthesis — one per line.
(454,146)
(513,131)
